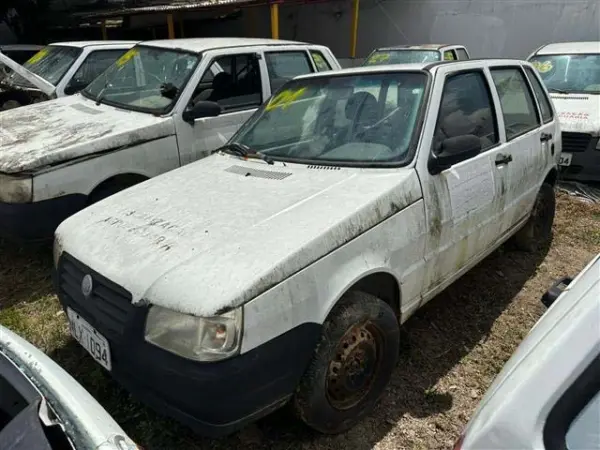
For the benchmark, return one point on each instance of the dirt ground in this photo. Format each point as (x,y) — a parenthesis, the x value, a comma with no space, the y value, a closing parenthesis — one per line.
(452,349)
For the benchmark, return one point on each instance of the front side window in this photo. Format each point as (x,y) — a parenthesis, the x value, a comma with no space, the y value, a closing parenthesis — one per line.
(466,108)
(93,65)
(320,61)
(569,73)
(283,66)
(147,79)
(518,106)
(541,95)
(51,63)
(353,119)
(404,56)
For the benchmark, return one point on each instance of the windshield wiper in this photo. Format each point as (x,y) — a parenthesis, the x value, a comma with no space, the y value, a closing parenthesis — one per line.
(237,149)
(101,93)
(558,91)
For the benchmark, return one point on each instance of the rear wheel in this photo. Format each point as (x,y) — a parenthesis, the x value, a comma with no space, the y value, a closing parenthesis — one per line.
(537,232)
(352,365)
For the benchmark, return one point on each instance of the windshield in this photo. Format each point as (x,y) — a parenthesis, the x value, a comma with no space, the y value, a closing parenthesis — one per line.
(569,73)
(355,119)
(147,79)
(51,63)
(381,57)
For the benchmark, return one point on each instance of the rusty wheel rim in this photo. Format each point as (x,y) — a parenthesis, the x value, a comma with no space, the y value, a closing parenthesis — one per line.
(354,367)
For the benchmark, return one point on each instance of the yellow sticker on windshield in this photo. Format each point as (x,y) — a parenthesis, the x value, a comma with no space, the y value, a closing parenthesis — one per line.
(543,67)
(38,56)
(127,56)
(378,58)
(285,98)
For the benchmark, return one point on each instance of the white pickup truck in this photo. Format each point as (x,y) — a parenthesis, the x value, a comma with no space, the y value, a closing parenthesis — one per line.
(56,70)
(163,104)
(281,268)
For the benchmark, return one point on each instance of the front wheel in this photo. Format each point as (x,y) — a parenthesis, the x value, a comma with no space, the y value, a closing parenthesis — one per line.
(537,232)
(352,365)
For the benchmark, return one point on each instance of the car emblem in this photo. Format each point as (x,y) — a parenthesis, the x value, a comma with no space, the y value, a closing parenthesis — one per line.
(87,285)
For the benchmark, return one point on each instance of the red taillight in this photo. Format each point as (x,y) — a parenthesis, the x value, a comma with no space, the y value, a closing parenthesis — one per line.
(459,442)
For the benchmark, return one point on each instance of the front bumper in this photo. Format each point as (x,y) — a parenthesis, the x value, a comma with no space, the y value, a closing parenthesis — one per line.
(585,163)
(214,399)
(37,220)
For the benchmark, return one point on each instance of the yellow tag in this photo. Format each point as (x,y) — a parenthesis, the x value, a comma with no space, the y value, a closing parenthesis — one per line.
(38,56)
(543,67)
(378,58)
(448,56)
(127,56)
(319,62)
(284,99)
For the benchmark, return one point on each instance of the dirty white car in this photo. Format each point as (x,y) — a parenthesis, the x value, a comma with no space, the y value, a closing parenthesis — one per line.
(59,69)
(161,105)
(281,268)
(43,408)
(547,396)
(571,72)
(407,54)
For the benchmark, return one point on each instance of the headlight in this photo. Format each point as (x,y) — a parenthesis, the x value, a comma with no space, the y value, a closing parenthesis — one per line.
(198,338)
(16,189)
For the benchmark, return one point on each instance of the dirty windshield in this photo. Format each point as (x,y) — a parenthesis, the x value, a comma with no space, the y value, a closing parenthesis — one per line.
(353,119)
(51,63)
(569,73)
(148,79)
(382,57)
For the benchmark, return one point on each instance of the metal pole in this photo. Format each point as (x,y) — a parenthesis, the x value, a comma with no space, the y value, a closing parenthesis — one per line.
(274,20)
(171,26)
(354,31)
(103,28)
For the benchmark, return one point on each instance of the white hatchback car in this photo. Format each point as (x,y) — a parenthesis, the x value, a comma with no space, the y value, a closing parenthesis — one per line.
(547,396)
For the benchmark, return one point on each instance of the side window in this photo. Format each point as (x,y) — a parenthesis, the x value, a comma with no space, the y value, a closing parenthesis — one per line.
(283,66)
(320,61)
(449,55)
(95,63)
(233,81)
(466,108)
(518,106)
(541,95)
(584,431)
(462,54)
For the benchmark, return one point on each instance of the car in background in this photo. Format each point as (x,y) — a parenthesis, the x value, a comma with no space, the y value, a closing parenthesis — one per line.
(571,72)
(407,54)
(43,408)
(65,67)
(547,396)
(19,53)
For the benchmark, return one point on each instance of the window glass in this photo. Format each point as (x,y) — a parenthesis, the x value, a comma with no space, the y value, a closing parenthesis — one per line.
(339,119)
(283,66)
(584,431)
(461,53)
(233,81)
(403,56)
(518,107)
(541,95)
(95,63)
(449,55)
(320,61)
(466,108)
(569,73)
(51,63)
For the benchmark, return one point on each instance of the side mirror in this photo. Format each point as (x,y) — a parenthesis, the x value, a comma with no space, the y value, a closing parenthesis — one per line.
(201,109)
(74,87)
(454,150)
(552,294)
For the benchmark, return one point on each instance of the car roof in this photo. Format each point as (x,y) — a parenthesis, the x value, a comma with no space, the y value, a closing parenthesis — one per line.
(198,45)
(570,47)
(82,44)
(418,47)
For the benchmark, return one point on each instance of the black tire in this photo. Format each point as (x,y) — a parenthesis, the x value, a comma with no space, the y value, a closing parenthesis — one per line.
(361,332)
(537,232)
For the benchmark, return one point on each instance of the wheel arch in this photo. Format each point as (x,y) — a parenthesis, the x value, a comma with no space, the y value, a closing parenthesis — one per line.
(122,180)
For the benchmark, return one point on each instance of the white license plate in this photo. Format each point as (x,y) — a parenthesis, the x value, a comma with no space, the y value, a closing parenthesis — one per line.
(565,159)
(90,339)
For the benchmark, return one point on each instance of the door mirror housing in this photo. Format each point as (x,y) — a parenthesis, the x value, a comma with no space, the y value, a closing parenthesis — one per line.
(201,109)
(74,87)
(454,150)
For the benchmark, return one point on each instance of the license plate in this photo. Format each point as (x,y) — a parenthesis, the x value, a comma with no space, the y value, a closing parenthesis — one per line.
(90,339)
(565,159)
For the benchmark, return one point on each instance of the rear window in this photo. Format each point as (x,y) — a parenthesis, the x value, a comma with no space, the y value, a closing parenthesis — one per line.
(283,66)
(320,61)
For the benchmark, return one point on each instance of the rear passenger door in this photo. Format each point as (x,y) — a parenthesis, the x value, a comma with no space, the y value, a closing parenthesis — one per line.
(521,130)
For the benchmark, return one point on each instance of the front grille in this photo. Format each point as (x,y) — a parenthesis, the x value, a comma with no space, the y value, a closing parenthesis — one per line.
(108,307)
(575,142)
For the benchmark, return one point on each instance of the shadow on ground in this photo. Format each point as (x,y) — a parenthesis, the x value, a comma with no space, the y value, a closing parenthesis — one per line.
(435,340)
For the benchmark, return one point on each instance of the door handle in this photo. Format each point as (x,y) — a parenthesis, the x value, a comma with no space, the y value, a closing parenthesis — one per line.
(546,137)
(503,158)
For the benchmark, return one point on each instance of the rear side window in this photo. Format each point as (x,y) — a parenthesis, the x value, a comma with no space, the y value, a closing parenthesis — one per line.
(518,106)
(462,53)
(283,66)
(449,55)
(320,61)
(541,95)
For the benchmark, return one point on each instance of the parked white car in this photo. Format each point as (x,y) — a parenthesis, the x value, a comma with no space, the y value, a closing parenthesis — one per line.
(547,396)
(420,53)
(281,268)
(571,72)
(57,70)
(43,407)
(161,105)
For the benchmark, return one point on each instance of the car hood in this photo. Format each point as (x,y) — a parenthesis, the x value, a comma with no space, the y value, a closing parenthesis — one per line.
(578,112)
(45,86)
(56,131)
(216,233)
